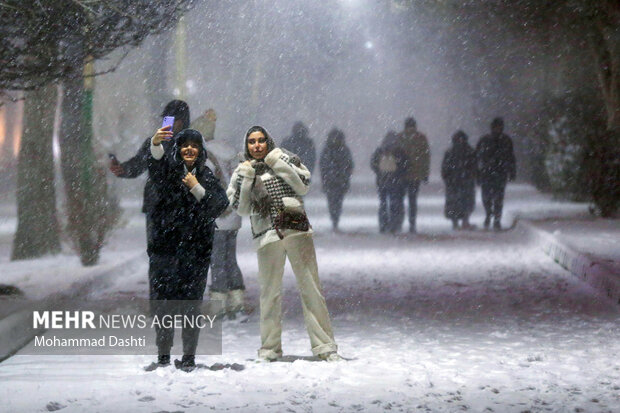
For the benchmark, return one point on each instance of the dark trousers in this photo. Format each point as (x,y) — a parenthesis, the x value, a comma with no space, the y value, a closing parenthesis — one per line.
(149,235)
(411,190)
(493,198)
(334,204)
(225,272)
(391,208)
(182,280)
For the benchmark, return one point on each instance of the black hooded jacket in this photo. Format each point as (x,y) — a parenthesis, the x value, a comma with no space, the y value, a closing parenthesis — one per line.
(336,163)
(180,221)
(496,159)
(391,177)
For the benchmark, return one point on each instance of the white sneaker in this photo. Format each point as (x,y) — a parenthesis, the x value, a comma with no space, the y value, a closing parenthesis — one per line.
(218,309)
(268,355)
(331,357)
(236,301)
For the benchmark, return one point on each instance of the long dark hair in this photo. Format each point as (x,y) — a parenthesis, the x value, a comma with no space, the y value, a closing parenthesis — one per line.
(179,109)
(270,143)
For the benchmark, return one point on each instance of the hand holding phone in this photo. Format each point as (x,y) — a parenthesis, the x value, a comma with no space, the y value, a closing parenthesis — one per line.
(115,166)
(168,121)
(165,132)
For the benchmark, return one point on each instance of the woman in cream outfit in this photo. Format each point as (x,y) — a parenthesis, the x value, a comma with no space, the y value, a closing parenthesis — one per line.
(267,181)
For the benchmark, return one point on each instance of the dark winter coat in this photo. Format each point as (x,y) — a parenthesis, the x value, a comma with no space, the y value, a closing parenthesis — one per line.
(418,153)
(389,163)
(496,159)
(135,166)
(458,171)
(180,221)
(300,144)
(336,165)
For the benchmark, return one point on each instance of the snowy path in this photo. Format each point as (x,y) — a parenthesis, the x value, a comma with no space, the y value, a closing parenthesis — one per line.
(468,321)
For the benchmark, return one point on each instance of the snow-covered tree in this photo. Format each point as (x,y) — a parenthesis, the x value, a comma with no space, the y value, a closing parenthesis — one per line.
(515,56)
(50,41)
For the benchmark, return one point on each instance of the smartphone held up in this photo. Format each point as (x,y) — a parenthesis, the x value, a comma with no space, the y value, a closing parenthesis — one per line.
(168,121)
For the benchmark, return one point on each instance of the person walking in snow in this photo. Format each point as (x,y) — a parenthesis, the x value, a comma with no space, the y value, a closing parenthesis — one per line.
(415,146)
(189,199)
(496,166)
(268,186)
(301,144)
(336,165)
(458,171)
(227,283)
(388,162)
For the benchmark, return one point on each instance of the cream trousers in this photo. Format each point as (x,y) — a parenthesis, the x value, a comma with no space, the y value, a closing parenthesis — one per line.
(271,259)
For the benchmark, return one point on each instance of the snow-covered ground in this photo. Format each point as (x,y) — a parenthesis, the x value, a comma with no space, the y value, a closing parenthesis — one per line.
(443,321)
(599,238)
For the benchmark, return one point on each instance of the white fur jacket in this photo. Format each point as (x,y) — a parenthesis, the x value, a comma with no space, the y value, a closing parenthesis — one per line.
(285,179)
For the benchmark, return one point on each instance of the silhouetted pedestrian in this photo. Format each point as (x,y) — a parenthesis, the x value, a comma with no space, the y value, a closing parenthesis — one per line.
(458,171)
(388,162)
(302,145)
(415,146)
(496,166)
(336,165)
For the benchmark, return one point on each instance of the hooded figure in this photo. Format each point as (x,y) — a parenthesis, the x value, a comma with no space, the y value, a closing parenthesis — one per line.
(189,199)
(184,215)
(336,165)
(300,143)
(267,184)
(458,171)
(389,164)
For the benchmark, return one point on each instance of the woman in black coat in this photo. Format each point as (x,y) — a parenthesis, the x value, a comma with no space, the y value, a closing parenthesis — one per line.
(458,170)
(189,200)
(336,165)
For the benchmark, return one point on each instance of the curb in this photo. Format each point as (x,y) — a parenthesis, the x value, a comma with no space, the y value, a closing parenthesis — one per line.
(595,273)
(13,335)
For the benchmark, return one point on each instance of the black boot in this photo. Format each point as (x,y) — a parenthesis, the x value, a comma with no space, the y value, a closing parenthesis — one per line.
(163,360)
(187,363)
(455,224)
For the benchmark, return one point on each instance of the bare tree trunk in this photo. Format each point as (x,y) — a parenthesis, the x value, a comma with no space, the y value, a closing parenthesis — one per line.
(37,222)
(603,153)
(605,42)
(91,212)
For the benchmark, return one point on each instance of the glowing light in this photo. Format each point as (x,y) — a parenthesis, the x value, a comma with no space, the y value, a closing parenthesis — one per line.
(369,45)
(351,3)
(17,129)
(2,125)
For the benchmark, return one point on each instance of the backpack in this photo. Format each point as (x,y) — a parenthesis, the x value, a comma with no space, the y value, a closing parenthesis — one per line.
(387,163)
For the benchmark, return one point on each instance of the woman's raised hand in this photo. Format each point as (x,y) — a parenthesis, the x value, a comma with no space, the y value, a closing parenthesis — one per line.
(163,134)
(190,180)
